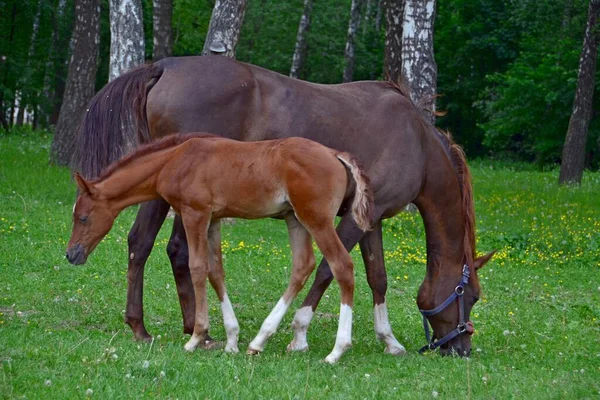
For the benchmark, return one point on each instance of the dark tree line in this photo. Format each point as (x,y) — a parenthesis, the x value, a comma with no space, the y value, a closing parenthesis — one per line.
(509,73)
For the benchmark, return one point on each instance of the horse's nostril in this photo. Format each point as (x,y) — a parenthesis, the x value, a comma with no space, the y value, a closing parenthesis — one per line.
(67,256)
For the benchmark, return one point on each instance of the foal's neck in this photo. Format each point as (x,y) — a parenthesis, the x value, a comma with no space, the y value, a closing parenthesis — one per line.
(440,204)
(134,182)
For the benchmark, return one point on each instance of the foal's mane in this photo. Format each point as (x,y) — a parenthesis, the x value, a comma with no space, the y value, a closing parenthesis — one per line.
(164,143)
(459,162)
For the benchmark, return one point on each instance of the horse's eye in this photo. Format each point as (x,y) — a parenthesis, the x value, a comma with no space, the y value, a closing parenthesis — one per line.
(83,219)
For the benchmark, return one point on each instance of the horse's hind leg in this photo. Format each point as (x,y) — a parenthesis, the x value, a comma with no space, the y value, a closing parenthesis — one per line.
(177,250)
(196,226)
(303,265)
(349,235)
(148,221)
(343,271)
(371,247)
(216,276)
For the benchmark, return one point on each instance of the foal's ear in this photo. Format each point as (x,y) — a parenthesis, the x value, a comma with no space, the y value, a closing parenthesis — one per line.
(481,261)
(83,185)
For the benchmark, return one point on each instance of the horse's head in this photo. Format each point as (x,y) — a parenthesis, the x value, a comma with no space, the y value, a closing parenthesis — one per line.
(440,299)
(92,220)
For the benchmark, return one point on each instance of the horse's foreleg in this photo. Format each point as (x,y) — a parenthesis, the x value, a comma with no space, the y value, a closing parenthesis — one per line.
(349,235)
(216,276)
(196,226)
(148,221)
(303,265)
(177,249)
(371,247)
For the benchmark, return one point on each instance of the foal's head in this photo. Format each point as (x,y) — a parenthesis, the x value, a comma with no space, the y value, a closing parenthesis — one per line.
(92,220)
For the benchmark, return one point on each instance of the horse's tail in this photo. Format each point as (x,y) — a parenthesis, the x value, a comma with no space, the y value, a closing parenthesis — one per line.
(115,121)
(363,203)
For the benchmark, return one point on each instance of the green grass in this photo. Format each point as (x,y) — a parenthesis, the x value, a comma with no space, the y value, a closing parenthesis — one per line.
(62,331)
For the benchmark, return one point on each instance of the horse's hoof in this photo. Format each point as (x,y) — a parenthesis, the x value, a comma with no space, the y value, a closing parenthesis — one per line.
(142,337)
(232,349)
(395,350)
(330,359)
(252,352)
(299,347)
(190,346)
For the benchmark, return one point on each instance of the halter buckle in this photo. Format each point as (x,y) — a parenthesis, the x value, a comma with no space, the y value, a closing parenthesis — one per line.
(459,290)
(462,328)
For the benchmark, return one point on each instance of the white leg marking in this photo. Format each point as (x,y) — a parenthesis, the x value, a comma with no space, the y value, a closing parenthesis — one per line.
(231,325)
(343,341)
(300,326)
(192,343)
(383,331)
(269,326)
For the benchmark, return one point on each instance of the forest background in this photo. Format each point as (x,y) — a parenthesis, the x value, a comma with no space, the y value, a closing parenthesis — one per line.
(507,69)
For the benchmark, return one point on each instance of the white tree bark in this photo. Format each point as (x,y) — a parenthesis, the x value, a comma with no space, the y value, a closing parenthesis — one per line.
(394,19)
(300,50)
(224,29)
(126,36)
(352,28)
(418,62)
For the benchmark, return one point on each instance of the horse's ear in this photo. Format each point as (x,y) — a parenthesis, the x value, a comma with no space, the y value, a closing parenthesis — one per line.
(481,261)
(83,185)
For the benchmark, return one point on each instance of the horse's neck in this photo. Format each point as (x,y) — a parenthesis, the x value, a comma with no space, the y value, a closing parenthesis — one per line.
(440,204)
(135,182)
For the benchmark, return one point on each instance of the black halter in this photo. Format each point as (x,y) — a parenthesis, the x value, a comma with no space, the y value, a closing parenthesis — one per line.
(462,326)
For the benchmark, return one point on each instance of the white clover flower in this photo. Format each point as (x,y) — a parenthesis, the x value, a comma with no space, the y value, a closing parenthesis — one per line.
(145,364)
(48,382)
(89,392)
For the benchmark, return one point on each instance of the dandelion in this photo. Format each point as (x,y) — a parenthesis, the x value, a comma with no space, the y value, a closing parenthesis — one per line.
(89,392)
(48,382)
(506,332)
(162,374)
(145,364)
(367,376)
(435,394)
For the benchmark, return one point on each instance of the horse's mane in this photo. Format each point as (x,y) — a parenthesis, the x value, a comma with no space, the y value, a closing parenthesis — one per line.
(152,147)
(459,162)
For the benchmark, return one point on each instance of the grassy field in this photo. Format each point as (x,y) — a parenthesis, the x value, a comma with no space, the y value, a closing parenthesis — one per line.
(62,333)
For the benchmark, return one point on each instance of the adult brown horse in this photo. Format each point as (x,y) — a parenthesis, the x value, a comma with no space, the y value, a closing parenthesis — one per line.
(406,158)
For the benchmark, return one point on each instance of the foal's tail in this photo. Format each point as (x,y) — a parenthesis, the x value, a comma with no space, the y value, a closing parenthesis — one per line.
(363,203)
(115,121)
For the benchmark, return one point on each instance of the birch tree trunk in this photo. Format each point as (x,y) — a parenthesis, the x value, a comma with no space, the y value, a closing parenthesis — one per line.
(573,156)
(300,50)
(224,29)
(352,28)
(162,29)
(394,18)
(81,79)
(418,62)
(126,36)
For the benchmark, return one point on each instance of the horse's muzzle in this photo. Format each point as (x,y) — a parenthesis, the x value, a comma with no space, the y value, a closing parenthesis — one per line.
(76,254)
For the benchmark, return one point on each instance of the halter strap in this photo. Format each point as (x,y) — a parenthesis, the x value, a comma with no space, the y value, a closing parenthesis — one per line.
(459,290)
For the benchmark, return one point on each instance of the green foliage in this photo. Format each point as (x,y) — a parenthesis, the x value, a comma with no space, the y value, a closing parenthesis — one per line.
(506,70)
(62,332)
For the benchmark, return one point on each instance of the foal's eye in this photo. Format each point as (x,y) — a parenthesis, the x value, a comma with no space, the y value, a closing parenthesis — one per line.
(83,219)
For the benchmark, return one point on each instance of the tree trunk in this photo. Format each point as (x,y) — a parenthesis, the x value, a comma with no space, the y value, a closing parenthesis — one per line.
(378,15)
(224,29)
(573,156)
(126,36)
(300,51)
(6,62)
(352,28)
(162,29)
(52,74)
(81,79)
(418,63)
(26,100)
(394,17)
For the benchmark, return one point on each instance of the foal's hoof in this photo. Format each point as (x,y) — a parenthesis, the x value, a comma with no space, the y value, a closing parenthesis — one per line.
(252,352)
(232,349)
(295,346)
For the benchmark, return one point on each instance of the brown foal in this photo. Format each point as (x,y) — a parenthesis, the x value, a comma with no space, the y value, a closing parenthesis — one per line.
(206,178)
